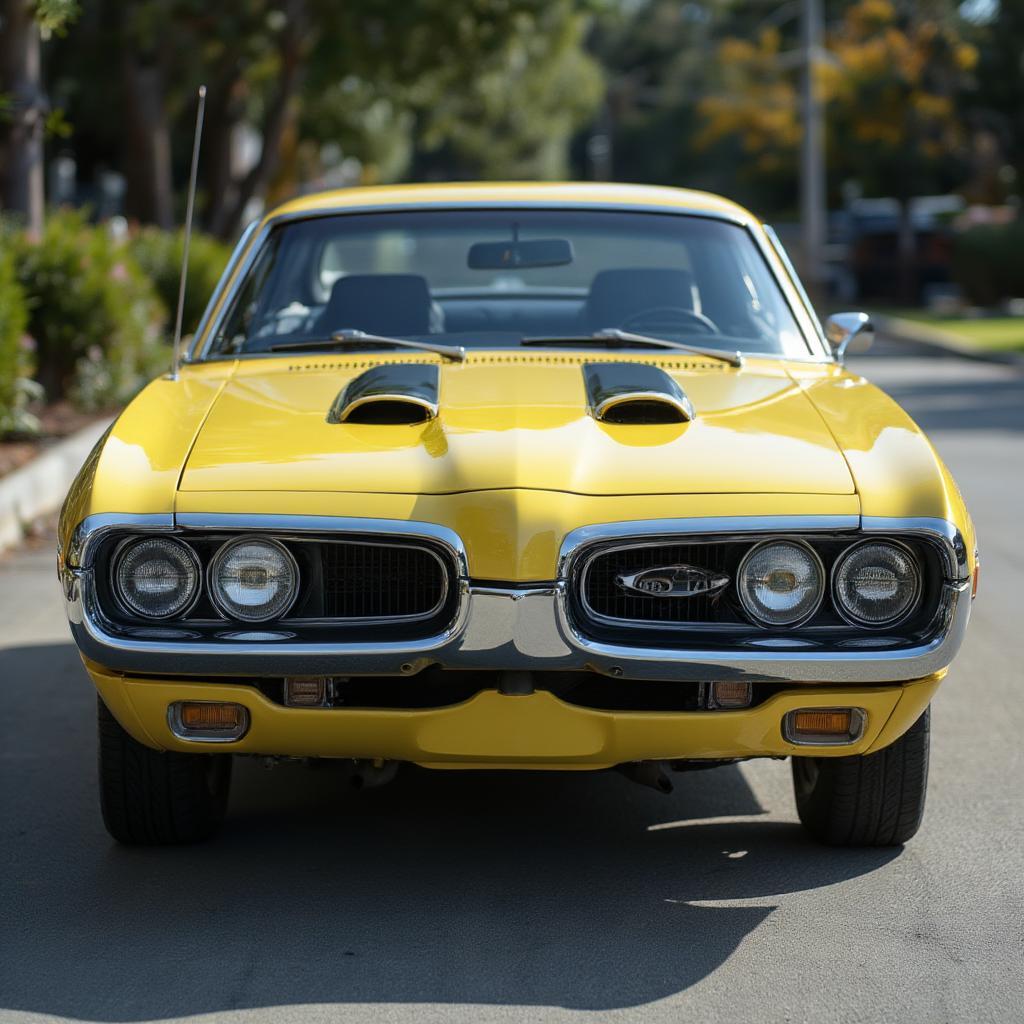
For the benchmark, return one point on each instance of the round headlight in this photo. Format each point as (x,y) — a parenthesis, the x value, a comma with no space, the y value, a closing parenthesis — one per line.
(876,583)
(781,583)
(253,579)
(157,578)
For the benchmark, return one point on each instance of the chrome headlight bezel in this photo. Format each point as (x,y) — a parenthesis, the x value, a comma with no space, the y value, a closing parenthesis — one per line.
(809,614)
(850,617)
(135,541)
(232,614)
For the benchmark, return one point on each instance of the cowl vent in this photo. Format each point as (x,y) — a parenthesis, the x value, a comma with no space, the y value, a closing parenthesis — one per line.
(635,393)
(392,394)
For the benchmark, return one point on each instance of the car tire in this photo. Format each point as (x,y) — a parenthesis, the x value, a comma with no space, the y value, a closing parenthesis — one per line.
(867,800)
(154,798)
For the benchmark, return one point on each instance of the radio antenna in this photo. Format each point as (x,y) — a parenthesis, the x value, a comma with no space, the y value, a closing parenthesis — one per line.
(189,208)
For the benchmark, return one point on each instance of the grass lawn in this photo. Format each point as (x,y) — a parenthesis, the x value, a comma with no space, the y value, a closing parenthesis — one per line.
(996,332)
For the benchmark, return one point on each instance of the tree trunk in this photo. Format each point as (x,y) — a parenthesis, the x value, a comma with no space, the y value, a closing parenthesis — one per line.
(293,48)
(906,255)
(21,141)
(150,193)
(223,112)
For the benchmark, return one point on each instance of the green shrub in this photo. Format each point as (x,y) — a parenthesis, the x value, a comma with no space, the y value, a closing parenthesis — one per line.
(91,309)
(158,254)
(15,389)
(987,264)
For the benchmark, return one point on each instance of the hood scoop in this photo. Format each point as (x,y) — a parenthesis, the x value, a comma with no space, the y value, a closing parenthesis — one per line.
(393,393)
(635,393)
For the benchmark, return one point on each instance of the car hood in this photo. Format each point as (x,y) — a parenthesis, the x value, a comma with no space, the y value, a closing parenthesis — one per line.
(515,420)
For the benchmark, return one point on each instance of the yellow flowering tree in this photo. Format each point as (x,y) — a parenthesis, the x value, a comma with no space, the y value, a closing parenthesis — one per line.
(892,80)
(901,74)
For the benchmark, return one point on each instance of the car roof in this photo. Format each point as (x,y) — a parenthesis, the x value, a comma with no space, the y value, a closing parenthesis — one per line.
(518,193)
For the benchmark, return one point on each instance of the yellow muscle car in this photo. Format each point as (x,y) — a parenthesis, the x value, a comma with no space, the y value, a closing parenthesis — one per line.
(522,477)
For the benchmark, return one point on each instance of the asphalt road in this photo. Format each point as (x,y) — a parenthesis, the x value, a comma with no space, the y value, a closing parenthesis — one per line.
(522,897)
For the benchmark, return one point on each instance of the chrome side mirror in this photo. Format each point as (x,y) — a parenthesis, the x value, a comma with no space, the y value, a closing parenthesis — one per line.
(849,332)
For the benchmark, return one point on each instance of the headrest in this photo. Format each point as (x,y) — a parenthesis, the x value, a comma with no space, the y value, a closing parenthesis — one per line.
(378,304)
(616,295)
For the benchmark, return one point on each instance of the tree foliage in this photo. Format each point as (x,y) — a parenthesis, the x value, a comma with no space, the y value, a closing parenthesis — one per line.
(894,81)
(313,79)
(899,96)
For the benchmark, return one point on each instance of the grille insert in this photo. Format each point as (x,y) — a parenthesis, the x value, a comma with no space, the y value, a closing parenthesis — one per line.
(603,598)
(382,581)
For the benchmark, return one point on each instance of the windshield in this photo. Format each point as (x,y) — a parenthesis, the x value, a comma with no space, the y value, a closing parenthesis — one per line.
(490,278)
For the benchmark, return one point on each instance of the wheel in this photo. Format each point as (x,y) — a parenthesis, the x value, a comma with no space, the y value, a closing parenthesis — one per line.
(867,800)
(151,797)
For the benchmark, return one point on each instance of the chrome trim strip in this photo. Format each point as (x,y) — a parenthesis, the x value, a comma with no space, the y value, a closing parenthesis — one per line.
(760,665)
(939,531)
(405,528)
(498,629)
(409,383)
(791,291)
(347,408)
(526,626)
(91,530)
(230,657)
(683,407)
(612,384)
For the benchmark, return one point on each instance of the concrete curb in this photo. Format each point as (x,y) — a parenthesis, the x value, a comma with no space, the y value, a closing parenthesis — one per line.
(38,488)
(913,333)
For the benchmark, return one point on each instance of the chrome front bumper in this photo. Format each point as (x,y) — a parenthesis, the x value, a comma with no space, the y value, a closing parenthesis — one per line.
(524,627)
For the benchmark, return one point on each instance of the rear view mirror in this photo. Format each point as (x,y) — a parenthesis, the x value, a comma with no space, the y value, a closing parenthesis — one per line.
(540,252)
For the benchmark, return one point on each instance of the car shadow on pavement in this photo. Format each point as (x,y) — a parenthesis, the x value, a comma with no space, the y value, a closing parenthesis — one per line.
(577,890)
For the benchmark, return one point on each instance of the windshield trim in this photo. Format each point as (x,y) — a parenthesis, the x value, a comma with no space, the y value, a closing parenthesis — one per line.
(252,242)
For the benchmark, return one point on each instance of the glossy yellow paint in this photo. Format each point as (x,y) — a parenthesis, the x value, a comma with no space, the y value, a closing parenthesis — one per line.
(136,467)
(516,420)
(498,192)
(896,470)
(513,462)
(535,731)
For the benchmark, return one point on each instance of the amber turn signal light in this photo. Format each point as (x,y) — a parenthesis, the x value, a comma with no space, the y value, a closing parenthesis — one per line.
(832,723)
(305,691)
(730,694)
(207,720)
(824,726)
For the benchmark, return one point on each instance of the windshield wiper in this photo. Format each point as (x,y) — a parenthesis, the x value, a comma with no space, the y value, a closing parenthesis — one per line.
(352,339)
(614,335)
